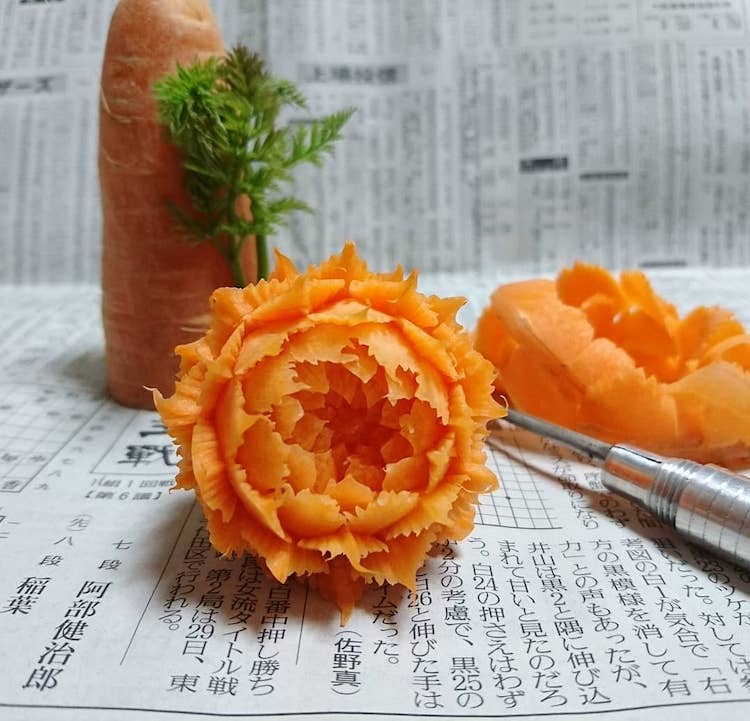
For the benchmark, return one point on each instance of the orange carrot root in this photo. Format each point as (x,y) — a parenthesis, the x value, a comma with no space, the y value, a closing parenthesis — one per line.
(155,284)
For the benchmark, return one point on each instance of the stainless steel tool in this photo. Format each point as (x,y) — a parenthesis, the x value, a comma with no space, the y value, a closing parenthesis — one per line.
(707,504)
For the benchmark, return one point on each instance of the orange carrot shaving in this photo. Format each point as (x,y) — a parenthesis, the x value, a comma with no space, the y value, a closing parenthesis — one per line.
(612,359)
(332,422)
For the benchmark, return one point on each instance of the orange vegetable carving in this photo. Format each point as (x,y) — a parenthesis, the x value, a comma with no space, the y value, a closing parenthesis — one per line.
(614,360)
(332,422)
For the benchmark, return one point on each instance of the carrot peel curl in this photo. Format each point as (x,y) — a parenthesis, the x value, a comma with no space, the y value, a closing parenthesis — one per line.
(612,359)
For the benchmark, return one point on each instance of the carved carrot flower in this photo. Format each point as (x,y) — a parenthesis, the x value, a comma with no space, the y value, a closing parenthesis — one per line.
(332,422)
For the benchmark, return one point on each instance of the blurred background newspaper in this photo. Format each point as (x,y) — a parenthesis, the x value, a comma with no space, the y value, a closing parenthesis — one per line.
(490,134)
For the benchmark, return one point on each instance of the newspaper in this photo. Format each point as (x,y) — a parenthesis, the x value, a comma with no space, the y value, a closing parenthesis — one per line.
(489,133)
(564,601)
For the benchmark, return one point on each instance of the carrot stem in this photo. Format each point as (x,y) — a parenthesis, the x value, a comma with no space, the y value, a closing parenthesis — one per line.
(238,275)
(261,246)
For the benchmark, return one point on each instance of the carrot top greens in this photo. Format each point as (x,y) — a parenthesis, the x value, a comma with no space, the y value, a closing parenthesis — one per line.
(222,115)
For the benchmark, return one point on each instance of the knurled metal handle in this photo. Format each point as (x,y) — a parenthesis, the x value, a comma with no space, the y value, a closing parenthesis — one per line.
(707,504)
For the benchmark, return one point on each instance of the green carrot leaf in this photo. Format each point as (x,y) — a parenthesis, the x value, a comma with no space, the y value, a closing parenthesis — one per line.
(222,115)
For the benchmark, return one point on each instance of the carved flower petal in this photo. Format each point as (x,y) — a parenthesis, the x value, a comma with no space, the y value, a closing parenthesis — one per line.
(264,454)
(319,344)
(439,459)
(302,468)
(231,420)
(210,471)
(420,427)
(401,559)
(262,507)
(285,269)
(346,265)
(228,308)
(302,297)
(358,362)
(432,507)
(385,510)
(281,557)
(344,543)
(257,346)
(269,381)
(349,313)
(286,414)
(408,474)
(398,299)
(430,348)
(307,514)
(350,493)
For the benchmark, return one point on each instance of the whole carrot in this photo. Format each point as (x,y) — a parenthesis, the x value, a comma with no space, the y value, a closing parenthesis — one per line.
(154,283)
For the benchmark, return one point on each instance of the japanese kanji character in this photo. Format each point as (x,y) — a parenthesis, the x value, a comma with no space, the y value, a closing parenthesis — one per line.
(70,630)
(183,683)
(56,654)
(222,685)
(51,561)
(43,678)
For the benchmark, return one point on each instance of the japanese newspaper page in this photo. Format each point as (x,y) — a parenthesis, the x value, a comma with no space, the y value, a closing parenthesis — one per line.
(564,601)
